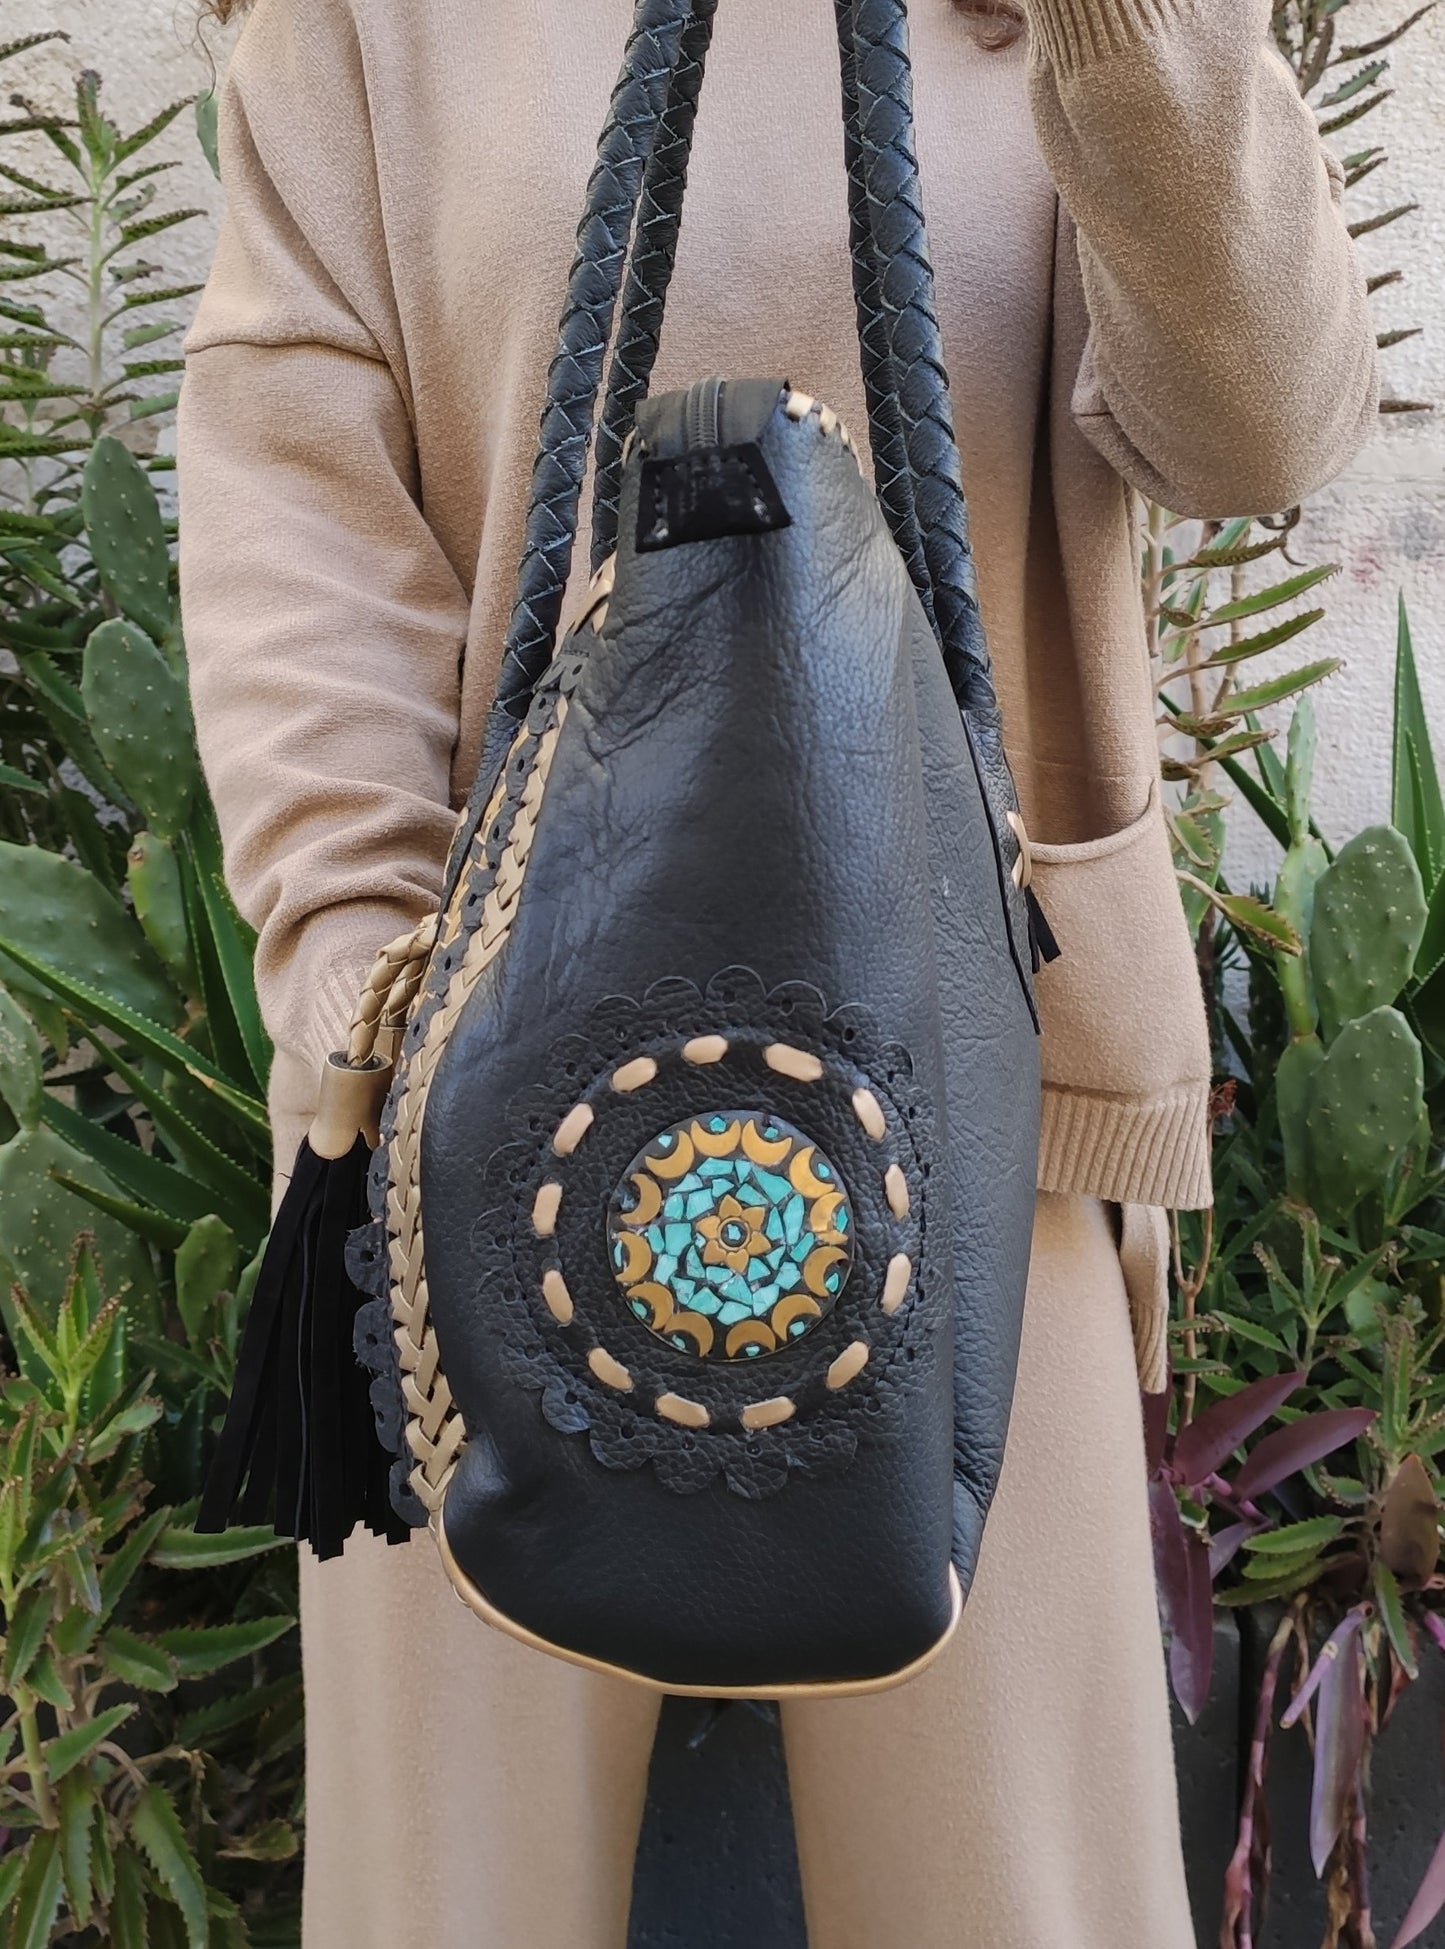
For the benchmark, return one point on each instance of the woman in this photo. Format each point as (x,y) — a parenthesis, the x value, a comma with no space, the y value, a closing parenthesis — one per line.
(1145,283)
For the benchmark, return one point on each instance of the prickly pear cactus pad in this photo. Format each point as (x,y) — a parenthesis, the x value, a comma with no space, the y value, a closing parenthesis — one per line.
(140,715)
(1365,1104)
(153,878)
(59,913)
(40,1219)
(1294,1082)
(1369,916)
(127,537)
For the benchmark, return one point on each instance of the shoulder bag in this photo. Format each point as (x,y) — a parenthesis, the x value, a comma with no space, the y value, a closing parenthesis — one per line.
(701,1122)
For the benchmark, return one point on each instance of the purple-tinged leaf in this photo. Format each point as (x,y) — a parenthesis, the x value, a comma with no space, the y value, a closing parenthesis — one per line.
(1286,1451)
(1342,1635)
(1410,1522)
(1209,1442)
(1339,1749)
(1181,1561)
(1224,1547)
(1428,1902)
(1191,1649)
(1435,1625)
(1156,1427)
(1171,1568)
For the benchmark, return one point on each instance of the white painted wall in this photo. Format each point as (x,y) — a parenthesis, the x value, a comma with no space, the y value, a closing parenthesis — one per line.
(1384,521)
(148,53)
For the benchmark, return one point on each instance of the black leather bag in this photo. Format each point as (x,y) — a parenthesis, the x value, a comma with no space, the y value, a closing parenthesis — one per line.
(701,1211)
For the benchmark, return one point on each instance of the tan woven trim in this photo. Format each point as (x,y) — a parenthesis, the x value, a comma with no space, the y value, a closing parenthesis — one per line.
(434,1432)
(838,1689)
(1154,1152)
(389,992)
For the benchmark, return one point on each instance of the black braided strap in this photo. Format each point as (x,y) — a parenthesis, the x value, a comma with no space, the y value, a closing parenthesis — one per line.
(890,167)
(891,478)
(649,274)
(586,328)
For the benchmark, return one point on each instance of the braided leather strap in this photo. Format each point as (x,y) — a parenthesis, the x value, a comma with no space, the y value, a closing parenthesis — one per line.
(643,154)
(586,329)
(654,253)
(885,428)
(919,378)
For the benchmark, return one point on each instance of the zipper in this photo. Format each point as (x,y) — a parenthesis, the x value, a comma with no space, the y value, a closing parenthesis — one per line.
(702,420)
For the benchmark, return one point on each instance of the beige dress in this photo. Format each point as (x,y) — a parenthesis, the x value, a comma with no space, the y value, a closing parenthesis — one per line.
(1144,283)
(465,1792)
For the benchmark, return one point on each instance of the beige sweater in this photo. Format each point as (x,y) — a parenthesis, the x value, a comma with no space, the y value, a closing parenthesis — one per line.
(1145,282)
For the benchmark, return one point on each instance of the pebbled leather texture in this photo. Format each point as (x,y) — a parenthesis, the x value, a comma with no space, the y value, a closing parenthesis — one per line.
(641,172)
(762,763)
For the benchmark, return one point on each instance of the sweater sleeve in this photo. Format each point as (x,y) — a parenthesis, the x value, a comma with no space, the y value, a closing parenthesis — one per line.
(324,624)
(1230,367)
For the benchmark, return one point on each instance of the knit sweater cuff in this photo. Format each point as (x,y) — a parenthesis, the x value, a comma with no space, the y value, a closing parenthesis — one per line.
(1149,1152)
(1072,34)
(310,1001)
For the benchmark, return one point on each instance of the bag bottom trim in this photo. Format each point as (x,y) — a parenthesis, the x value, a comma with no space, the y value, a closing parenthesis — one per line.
(831,1689)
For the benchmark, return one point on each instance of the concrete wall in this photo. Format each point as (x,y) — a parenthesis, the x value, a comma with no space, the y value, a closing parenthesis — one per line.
(1384,521)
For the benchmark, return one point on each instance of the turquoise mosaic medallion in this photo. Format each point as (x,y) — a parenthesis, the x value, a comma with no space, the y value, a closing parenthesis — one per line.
(731,1235)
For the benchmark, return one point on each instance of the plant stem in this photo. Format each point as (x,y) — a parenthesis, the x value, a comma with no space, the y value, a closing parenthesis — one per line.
(34,1755)
(1191,1285)
(1237,1928)
(95,301)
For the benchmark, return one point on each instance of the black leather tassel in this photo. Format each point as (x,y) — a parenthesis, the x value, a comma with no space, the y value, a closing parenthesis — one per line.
(1043,948)
(299,1447)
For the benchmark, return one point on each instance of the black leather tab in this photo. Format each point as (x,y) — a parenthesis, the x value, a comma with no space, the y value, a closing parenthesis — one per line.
(706,494)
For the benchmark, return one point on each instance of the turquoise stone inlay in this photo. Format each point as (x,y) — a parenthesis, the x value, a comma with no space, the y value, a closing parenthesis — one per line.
(731,1235)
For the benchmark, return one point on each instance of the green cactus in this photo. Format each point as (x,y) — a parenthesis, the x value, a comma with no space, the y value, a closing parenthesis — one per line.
(140,717)
(60,914)
(127,537)
(39,1221)
(21,1063)
(1300,872)
(207,1264)
(1293,1087)
(1364,1106)
(1369,917)
(153,875)
(1299,770)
